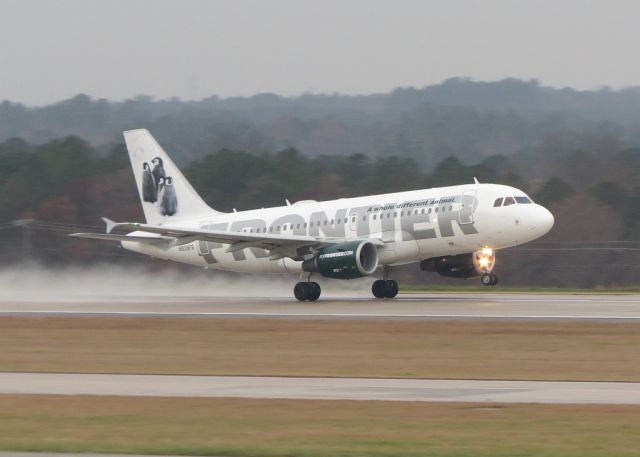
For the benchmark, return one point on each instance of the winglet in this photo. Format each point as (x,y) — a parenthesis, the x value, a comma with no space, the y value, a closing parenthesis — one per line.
(110,224)
(476,180)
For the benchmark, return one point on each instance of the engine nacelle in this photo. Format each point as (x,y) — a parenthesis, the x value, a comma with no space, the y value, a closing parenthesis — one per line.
(462,265)
(349,260)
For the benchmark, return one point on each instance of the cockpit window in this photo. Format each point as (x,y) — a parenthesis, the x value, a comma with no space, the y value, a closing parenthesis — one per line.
(509,201)
(523,200)
(497,203)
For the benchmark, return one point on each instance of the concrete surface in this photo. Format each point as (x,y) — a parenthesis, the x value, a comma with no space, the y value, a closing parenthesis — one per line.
(406,306)
(322,388)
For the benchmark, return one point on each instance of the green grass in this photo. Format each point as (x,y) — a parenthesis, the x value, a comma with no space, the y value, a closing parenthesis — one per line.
(311,428)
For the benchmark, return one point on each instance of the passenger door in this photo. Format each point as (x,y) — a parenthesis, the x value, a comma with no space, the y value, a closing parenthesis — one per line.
(468,204)
(353,221)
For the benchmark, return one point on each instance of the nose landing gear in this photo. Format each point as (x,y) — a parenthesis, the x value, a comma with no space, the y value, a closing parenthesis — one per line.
(489,279)
(304,291)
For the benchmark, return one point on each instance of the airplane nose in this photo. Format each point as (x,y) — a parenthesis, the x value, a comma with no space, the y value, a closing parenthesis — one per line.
(541,219)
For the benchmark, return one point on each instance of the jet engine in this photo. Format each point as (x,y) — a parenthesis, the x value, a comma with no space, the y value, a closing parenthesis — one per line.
(463,265)
(349,260)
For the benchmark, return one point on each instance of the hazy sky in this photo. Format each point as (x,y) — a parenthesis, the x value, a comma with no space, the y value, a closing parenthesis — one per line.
(50,50)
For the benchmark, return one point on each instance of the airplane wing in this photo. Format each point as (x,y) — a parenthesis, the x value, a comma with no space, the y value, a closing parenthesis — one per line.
(293,246)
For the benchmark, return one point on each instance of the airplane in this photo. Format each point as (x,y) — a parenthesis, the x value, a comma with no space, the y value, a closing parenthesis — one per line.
(453,231)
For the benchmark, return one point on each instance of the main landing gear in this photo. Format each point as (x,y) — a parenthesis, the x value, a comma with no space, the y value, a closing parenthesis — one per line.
(307,291)
(489,279)
(385,287)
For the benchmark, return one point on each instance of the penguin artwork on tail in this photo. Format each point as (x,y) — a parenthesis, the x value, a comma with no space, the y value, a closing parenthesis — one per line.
(175,199)
(169,203)
(160,192)
(149,185)
(158,169)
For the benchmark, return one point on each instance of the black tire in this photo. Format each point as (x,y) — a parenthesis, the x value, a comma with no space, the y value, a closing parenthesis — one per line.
(379,288)
(301,291)
(314,291)
(392,288)
(487,279)
(495,279)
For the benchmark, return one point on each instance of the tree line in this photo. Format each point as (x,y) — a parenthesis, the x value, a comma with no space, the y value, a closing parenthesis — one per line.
(466,119)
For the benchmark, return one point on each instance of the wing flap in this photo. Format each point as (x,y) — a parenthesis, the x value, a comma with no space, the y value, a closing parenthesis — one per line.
(115,237)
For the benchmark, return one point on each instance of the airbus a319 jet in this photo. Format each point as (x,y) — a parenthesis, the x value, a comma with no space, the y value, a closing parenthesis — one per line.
(453,231)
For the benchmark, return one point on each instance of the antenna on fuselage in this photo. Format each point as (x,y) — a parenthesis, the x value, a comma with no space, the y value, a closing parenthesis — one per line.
(288,202)
(475,180)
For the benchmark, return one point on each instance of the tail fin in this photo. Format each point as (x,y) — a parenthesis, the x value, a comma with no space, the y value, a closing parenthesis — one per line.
(164,193)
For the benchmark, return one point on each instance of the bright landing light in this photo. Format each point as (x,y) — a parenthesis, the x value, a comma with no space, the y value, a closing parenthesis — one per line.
(484,260)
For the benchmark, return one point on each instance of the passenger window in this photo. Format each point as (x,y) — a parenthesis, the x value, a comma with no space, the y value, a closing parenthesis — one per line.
(436,210)
(298,226)
(422,211)
(374,217)
(364,218)
(325,222)
(429,211)
(331,221)
(509,201)
(498,202)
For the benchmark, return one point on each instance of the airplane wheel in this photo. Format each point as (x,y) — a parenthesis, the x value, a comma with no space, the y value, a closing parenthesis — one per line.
(307,291)
(301,291)
(489,279)
(392,288)
(379,288)
(314,291)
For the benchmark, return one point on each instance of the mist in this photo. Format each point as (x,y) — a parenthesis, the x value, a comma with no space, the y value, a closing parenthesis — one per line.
(39,283)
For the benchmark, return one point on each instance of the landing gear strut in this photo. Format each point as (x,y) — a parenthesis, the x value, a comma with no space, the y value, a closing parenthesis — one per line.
(385,288)
(304,291)
(489,279)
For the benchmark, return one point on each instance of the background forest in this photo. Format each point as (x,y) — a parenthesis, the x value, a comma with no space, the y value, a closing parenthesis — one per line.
(64,166)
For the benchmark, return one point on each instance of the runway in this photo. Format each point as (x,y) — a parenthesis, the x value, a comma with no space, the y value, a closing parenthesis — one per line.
(466,306)
(322,388)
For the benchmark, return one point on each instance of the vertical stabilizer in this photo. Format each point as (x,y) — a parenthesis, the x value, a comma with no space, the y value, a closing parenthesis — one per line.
(164,192)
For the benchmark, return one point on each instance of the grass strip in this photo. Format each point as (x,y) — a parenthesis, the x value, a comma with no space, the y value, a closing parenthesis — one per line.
(597,351)
(270,428)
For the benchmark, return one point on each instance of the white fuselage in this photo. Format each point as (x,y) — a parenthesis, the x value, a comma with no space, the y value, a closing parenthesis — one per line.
(413,226)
